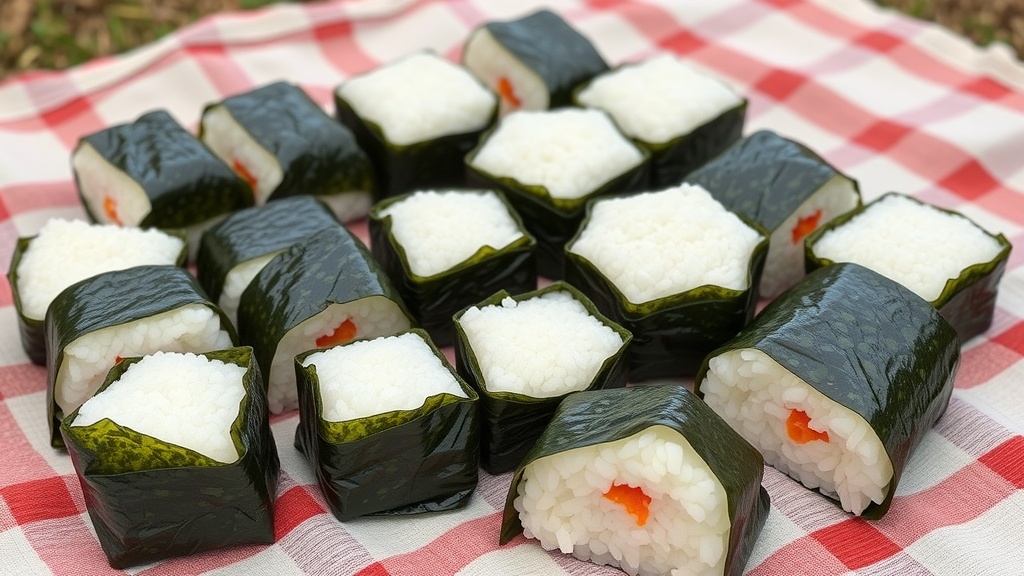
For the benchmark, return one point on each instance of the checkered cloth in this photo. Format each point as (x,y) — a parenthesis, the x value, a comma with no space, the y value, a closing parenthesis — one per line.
(897,104)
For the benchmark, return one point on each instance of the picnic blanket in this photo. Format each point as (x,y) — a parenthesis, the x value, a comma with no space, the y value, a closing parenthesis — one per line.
(897,104)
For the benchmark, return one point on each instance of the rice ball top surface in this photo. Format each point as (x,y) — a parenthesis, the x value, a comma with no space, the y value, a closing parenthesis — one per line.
(184,399)
(570,152)
(68,251)
(438,230)
(658,244)
(544,346)
(370,377)
(913,243)
(659,99)
(420,97)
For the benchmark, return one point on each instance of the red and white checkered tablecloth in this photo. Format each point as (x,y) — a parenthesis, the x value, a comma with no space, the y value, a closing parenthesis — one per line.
(897,104)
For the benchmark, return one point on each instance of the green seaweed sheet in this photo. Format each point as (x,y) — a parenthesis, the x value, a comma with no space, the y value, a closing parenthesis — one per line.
(547,45)
(395,463)
(511,422)
(968,301)
(31,330)
(317,155)
(150,500)
(596,417)
(254,232)
(671,335)
(433,300)
(867,343)
(185,182)
(111,299)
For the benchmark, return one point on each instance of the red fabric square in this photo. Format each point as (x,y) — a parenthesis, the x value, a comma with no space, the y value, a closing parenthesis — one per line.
(986,88)
(375,569)
(882,135)
(780,84)
(879,41)
(293,508)
(1012,338)
(684,42)
(1007,460)
(43,499)
(72,109)
(971,181)
(856,543)
(782,3)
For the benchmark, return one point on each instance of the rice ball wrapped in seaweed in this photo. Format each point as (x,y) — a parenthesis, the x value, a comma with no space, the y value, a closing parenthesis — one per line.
(524,353)
(685,117)
(321,292)
(175,456)
(941,255)
(95,323)
(388,427)
(836,382)
(675,268)
(534,62)
(549,164)
(647,479)
(234,251)
(152,173)
(786,188)
(417,118)
(283,144)
(67,251)
(446,250)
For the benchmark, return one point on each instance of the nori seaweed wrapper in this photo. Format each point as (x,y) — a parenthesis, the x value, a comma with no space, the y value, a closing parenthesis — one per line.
(395,463)
(867,343)
(31,330)
(329,267)
(255,232)
(673,334)
(433,300)
(512,422)
(547,45)
(402,168)
(968,301)
(150,500)
(185,182)
(765,177)
(111,299)
(553,221)
(590,418)
(317,155)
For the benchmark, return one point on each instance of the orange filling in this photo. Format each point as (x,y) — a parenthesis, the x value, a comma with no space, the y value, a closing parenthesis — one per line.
(117,359)
(633,499)
(110,209)
(242,171)
(345,332)
(805,225)
(799,430)
(508,93)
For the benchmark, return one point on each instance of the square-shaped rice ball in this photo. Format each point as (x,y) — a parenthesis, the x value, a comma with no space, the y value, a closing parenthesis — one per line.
(387,426)
(175,456)
(416,117)
(448,249)
(525,353)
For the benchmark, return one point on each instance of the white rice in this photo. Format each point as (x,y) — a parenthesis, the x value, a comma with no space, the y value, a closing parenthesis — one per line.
(438,230)
(542,347)
(915,244)
(418,98)
(784,265)
(371,377)
(232,143)
(373,316)
(756,396)
(491,62)
(237,280)
(561,502)
(101,182)
(660,99)
(67,251)
(87,359)
(183,399)
(657,244)
(570,152)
